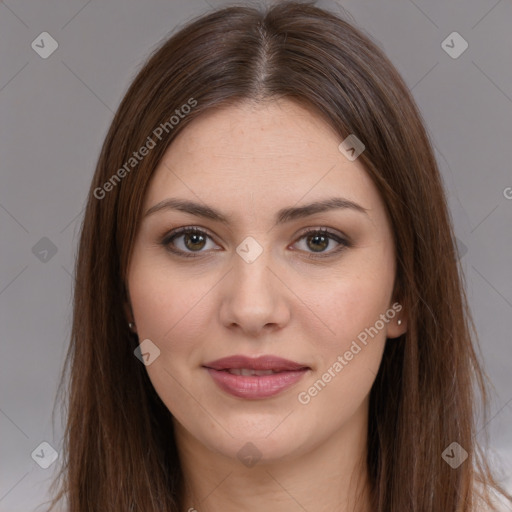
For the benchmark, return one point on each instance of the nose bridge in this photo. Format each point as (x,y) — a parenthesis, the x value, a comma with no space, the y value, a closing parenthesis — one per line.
(253,298)
(251,265)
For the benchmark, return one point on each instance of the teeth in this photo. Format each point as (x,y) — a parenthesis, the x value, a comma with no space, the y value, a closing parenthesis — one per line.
(248,372)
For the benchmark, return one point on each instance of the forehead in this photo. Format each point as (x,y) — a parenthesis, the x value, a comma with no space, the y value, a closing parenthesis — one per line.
(250,134)
(262,156)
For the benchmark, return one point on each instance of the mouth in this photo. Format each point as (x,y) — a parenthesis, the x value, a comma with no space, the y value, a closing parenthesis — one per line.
(262,363)
(255,378)
(248,371)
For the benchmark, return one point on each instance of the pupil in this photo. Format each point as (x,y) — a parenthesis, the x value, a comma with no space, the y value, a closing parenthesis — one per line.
(323,238)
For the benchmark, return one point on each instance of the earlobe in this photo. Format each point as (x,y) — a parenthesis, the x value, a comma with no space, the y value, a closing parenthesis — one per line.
(128,308)
(130,319)
(396,328)
(398,321)
(401,325)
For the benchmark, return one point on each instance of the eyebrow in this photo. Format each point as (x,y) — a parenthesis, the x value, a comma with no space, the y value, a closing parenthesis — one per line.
(282,216)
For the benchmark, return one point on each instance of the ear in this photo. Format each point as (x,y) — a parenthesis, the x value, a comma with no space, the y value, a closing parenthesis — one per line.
(396,312)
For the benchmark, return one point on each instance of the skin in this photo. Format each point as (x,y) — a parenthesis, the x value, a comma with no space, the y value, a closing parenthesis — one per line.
(249,161)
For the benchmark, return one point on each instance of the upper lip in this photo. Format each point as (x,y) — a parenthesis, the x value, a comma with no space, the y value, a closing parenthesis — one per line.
(255,363)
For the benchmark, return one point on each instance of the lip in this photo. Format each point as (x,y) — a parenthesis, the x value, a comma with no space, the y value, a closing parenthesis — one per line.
(278,364)
(256,387)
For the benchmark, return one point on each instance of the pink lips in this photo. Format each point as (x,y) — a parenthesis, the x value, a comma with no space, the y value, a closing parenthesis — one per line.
(285,374)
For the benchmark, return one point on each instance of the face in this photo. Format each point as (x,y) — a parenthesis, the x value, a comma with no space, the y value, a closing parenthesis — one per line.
(313,287)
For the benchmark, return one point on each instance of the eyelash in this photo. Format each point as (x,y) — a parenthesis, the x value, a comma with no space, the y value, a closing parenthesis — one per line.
(170,237)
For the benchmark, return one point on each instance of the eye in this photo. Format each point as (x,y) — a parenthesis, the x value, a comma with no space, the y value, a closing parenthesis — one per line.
(318,240)
(188,240)
(193,240)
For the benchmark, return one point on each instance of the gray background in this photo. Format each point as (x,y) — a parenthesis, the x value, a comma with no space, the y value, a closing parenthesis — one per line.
(55,113)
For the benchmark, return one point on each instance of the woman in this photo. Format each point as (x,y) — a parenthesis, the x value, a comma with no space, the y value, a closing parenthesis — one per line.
(268,309)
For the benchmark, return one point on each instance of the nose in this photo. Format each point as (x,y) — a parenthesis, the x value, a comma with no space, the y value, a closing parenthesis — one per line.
(254,298)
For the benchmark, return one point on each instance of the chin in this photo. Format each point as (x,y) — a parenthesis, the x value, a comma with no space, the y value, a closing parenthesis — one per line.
(269,439)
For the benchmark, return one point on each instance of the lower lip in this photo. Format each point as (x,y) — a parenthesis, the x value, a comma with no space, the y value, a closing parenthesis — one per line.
(255,387)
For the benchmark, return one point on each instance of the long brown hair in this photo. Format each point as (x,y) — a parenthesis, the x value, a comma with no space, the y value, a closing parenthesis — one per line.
(119,451)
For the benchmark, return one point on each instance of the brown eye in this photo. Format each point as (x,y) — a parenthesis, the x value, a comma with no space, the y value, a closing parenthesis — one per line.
(190,242)
(194,241)
(318,243)
(186,241)
(318,240)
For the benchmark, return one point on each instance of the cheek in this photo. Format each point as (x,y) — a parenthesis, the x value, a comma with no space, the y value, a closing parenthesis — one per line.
(167,308)
(172,310)
(159,298)
(356,306)
(345,303)
(347,361)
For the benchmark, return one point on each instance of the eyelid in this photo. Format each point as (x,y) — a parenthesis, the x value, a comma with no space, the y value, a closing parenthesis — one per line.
(322,229)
